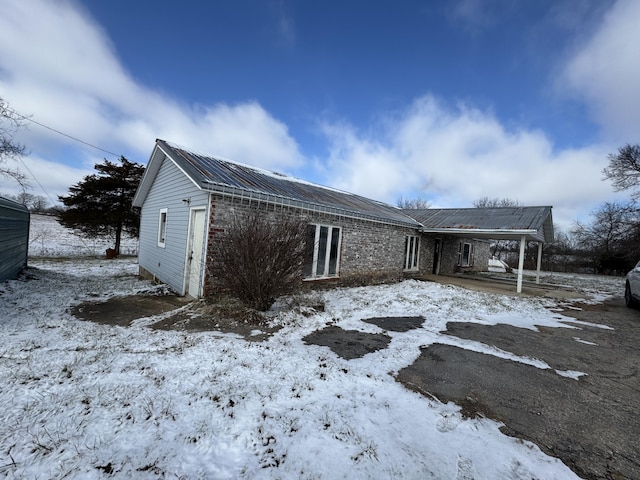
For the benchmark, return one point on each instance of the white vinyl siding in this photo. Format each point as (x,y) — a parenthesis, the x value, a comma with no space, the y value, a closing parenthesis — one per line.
(323,251)
(170,187)
(411,249)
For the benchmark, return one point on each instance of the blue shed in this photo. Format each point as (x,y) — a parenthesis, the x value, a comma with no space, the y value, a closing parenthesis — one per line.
(14,238)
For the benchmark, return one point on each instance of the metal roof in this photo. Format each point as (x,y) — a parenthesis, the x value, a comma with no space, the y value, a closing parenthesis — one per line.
(536,223)
(235,179)
(232,178)
(13,205)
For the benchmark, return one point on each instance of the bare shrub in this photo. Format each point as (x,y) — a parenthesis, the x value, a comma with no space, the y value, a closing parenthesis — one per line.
(260,257)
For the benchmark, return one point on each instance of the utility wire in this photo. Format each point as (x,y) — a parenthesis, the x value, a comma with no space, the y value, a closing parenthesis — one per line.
(59,133)
(37,181)
(62,133)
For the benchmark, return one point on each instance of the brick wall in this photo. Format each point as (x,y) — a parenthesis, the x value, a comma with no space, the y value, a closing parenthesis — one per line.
(449,254)
(370,252)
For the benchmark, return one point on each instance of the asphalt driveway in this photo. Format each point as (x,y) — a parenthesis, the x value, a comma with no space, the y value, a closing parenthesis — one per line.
(591,423)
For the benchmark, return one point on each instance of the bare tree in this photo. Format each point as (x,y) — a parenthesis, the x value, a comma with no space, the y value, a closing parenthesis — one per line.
(38,204)
(413,203)
(10,123)
(260,257)
(560,254)
(35,203)
(486,202)
(624,169)
(611,239)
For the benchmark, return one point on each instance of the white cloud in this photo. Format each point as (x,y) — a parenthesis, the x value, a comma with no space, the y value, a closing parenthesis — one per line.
(57,65)
(476,16)
(286,26)
(455,155)
(605,70)
(54,177)
(472,13)
(245,132)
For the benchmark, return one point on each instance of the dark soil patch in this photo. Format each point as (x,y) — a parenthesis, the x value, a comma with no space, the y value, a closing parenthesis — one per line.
(348,344)
(396,324)
(196,322)
(351,344)
(121,311)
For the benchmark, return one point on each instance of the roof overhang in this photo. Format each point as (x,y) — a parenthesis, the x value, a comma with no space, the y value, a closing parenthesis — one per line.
(488,234)
(313,207)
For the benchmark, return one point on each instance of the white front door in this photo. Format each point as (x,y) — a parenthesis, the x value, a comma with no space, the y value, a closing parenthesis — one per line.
(195,258)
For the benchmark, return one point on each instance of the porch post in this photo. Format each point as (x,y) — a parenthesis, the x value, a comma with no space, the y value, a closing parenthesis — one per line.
(523,241)
(539,262)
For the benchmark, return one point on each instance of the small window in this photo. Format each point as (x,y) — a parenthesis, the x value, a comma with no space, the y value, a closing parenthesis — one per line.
(162,227)
(411,250)
(323,251)
(465,255)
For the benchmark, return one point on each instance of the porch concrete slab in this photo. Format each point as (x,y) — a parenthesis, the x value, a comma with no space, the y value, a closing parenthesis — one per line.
(492,284)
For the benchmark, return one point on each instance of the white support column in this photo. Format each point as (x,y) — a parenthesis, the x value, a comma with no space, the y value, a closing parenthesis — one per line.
(523,242)
(539,262)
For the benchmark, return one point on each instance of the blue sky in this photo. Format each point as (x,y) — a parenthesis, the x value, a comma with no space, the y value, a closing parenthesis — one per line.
(445,100)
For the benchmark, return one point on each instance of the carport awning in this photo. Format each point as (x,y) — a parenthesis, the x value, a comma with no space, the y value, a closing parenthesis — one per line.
(503,223)
(531,235)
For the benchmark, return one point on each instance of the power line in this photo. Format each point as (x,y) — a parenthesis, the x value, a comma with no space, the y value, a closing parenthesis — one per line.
(24,117)
(62,133)
(37,181)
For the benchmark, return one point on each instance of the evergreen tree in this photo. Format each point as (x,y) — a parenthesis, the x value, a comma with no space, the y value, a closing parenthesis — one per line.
(101,203)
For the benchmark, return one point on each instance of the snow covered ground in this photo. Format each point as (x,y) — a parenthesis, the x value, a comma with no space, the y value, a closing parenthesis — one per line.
(47,238)
(82,400)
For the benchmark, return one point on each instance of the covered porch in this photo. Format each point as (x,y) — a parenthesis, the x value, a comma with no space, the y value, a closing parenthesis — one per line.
(521,224)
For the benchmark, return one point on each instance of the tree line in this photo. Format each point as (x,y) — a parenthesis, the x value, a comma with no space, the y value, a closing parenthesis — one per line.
(610,242)
(607,244)
(35,203)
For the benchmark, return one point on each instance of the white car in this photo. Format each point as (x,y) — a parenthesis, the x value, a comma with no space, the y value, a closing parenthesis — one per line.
(632,287)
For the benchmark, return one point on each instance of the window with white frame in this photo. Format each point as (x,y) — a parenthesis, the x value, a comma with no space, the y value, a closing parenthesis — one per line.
(411,249)
(162,228)
(323,251)
(465,254)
